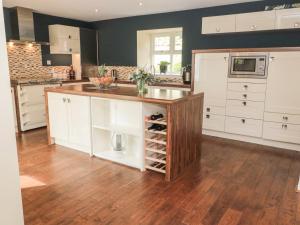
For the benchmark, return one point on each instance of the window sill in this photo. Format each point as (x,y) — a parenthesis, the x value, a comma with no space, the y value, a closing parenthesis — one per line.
(168,75)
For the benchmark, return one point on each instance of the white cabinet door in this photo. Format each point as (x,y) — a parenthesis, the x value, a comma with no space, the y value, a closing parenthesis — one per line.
(218,24)
(58,116)
(256,21)
(211,77)
(283,81)
(64,39)
(79,120)
(213,122)
(243,126)
(282,132)
(288,18)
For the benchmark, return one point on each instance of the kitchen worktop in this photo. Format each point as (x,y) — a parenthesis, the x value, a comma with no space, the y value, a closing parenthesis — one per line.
(159,84)
(154,95)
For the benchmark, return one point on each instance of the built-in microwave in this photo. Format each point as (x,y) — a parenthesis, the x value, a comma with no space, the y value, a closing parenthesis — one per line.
(249,65)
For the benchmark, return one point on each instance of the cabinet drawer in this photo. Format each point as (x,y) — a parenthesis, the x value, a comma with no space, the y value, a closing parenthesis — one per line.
(282,118)
(282,132)
(29,95)
(213,122)
(288,18)
(255,21)
(218,24)
(214,110)
(33,114)
(251,96)
(245,109)
(243,126)
(247,87)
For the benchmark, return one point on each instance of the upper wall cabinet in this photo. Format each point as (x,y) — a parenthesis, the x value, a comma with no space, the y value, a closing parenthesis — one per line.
(256,21)
(64,39)
(218,24)
(288,18)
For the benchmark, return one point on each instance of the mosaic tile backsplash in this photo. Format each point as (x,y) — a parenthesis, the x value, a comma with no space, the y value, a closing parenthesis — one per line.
(25,62)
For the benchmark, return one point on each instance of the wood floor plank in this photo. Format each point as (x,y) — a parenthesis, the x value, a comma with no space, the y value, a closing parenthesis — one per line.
(233,183)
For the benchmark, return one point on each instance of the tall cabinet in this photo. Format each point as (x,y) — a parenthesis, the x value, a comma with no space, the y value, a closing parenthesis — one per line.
(211,78)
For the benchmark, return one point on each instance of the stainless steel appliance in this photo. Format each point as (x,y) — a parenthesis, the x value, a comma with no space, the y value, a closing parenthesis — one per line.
(249,65)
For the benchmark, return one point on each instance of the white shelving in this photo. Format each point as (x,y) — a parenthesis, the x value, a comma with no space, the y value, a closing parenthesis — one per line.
(110,117)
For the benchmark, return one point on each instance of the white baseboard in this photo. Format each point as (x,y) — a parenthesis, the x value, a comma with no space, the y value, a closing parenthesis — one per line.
(254,140)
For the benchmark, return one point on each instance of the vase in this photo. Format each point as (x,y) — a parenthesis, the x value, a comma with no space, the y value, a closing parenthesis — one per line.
(141,86)
(163,69)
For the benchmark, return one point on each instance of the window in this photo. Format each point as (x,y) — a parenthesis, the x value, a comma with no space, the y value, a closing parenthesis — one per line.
(167,47)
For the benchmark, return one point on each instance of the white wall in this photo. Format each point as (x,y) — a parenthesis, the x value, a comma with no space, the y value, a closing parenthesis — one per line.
(11,212)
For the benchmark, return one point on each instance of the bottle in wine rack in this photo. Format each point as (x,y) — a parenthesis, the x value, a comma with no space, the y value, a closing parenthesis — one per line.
(156,116)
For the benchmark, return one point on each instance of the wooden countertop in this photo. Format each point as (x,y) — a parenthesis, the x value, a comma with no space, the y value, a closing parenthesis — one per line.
(160,84)
(154,95)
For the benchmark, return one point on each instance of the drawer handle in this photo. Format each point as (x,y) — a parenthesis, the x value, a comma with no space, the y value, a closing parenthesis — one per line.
(246,86)
(69,100)
(207,116)
(243,121)
(284,126)
(245,96)
(218,29)
(285,118)
(296,25)
(207,109)
(253,27)
(64,99)
(244,103)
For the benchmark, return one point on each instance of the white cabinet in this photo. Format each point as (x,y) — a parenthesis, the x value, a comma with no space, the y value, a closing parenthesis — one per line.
(213,122)
(283,90)
(255,21)
(211,77)
(282,132)
(218,24)
(31,105)
(243,126)
(245,109)
(288,18)
(64,39)
(70,123)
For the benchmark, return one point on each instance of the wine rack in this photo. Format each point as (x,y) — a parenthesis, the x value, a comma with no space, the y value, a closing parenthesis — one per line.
(156,146)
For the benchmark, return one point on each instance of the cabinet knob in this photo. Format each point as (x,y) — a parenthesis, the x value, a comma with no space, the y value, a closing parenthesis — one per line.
(244,103)
(69,100)
(246,86)
(245,96)
(207,116)
(285,118)
(70,36)
(218,29)
(296,25)
(253,27)
(207,109)
(70,49)
(243,121)
(272,58)
(64,99)
(284,126)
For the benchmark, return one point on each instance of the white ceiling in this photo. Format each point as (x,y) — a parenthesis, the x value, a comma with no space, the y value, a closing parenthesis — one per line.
(109,9)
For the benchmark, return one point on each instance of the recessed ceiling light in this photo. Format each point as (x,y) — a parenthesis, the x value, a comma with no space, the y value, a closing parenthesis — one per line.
(140,3)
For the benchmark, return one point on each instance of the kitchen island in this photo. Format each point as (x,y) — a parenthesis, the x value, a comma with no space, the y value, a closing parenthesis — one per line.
(85,118)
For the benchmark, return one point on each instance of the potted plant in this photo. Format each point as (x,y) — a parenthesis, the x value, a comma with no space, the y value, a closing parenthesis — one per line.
(163,66)
(141,77)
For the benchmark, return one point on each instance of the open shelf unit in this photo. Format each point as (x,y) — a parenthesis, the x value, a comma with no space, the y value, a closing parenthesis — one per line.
(156,146)
(111,117)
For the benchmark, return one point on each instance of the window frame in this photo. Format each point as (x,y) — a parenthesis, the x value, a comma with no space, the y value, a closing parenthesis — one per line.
(170,52)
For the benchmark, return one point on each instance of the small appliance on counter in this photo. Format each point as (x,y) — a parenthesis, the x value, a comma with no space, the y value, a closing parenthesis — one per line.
(187,74)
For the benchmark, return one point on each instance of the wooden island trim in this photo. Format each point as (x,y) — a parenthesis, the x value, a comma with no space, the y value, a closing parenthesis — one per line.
(154,95)
(184,118)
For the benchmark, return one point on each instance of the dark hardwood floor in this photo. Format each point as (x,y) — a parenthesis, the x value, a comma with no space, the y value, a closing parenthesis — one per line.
(235,183)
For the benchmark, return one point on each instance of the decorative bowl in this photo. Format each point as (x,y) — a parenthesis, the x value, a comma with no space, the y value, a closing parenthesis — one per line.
(102,82)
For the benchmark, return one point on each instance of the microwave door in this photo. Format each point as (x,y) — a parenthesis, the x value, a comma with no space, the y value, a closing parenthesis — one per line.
(243,66)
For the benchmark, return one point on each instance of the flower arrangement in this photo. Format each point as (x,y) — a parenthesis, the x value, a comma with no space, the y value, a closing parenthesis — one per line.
(102,80)
(141,77)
